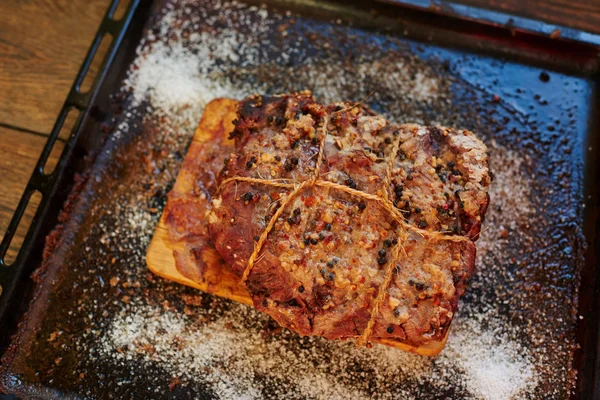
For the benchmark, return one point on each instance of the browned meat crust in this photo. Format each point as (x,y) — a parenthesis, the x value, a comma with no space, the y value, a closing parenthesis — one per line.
(341,224)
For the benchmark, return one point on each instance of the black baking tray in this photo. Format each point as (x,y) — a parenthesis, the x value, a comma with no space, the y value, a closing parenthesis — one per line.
(448,31)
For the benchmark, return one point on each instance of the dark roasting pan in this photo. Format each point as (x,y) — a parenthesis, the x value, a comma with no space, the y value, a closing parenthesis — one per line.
(529,88)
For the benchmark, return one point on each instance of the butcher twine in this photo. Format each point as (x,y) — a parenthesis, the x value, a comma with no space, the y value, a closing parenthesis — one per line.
(382,200)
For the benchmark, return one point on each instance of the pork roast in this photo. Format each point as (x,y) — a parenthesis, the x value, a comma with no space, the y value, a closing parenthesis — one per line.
(339,223)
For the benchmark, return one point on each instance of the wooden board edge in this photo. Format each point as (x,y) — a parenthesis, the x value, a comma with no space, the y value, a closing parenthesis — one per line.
(161,265)
(165,268)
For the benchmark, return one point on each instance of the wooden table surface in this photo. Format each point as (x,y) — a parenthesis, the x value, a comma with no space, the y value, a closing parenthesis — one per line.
(43,42)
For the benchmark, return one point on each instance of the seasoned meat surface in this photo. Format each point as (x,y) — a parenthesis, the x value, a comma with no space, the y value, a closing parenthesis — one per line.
(343,225)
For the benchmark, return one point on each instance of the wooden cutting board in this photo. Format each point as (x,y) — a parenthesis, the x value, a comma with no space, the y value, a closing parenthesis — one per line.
(218,281)
(217,278)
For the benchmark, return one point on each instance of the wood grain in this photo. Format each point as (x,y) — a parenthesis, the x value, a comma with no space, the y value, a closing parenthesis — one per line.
(42,46)
(19,152)
(579,14)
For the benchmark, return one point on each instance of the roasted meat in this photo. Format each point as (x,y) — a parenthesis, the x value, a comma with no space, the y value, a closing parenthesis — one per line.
(338,223)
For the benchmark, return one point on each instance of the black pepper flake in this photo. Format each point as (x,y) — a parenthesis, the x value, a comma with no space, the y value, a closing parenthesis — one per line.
(362,205)
(396,132)
(294,303)
(398,189)
(301,289)
(422,224)
(395,242)
(409,177)
(397,312)
(321,235)
(226,160)
(388,140)
(307,241)
(295,144)
(381,260)
(387,243)
(331,276)
(456,172)
(294,160)
(315,141)
(411,282)
(451,165)
(296,211)
(330,264)
(390,329)
(249,164)
(278,158)
(291,221)
(418,210)
(338,108)
(313,241)
(350,183)
(278,120)
(247,197)
(419,286)
(382,253)
(544,76)
(327,227)
(256,238)
(253,159)
(288,167)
